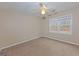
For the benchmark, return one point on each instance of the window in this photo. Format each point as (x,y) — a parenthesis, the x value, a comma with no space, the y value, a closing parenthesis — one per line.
(62,24)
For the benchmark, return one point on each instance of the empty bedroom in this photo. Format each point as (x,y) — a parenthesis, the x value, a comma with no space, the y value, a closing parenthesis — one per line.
(39,28)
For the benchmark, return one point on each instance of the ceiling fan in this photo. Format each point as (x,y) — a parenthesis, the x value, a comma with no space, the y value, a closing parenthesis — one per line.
(45,12)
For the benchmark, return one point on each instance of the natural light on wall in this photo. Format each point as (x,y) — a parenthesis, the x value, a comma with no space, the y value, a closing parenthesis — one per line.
(62,24)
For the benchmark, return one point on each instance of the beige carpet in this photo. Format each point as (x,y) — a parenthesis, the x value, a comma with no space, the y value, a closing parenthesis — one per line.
(42,47)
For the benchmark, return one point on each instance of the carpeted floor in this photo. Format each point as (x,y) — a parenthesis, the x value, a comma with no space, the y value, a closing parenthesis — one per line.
(42,47)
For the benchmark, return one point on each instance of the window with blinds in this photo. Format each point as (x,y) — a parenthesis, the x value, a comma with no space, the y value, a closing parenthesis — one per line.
(62,24)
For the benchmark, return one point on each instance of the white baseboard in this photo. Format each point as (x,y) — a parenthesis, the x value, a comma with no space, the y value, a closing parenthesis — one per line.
(17,43)
(68,42)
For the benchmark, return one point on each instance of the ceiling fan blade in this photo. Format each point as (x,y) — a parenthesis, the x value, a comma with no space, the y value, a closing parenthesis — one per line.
(41,4)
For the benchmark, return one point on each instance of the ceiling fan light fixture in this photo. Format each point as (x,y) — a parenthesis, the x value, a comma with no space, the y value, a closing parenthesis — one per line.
(43,11)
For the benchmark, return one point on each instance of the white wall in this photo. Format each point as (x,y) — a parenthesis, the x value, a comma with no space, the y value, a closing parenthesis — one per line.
(74,38)
(16,26)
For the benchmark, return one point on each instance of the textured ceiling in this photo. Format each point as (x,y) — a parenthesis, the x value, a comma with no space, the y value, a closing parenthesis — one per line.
(34,8)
